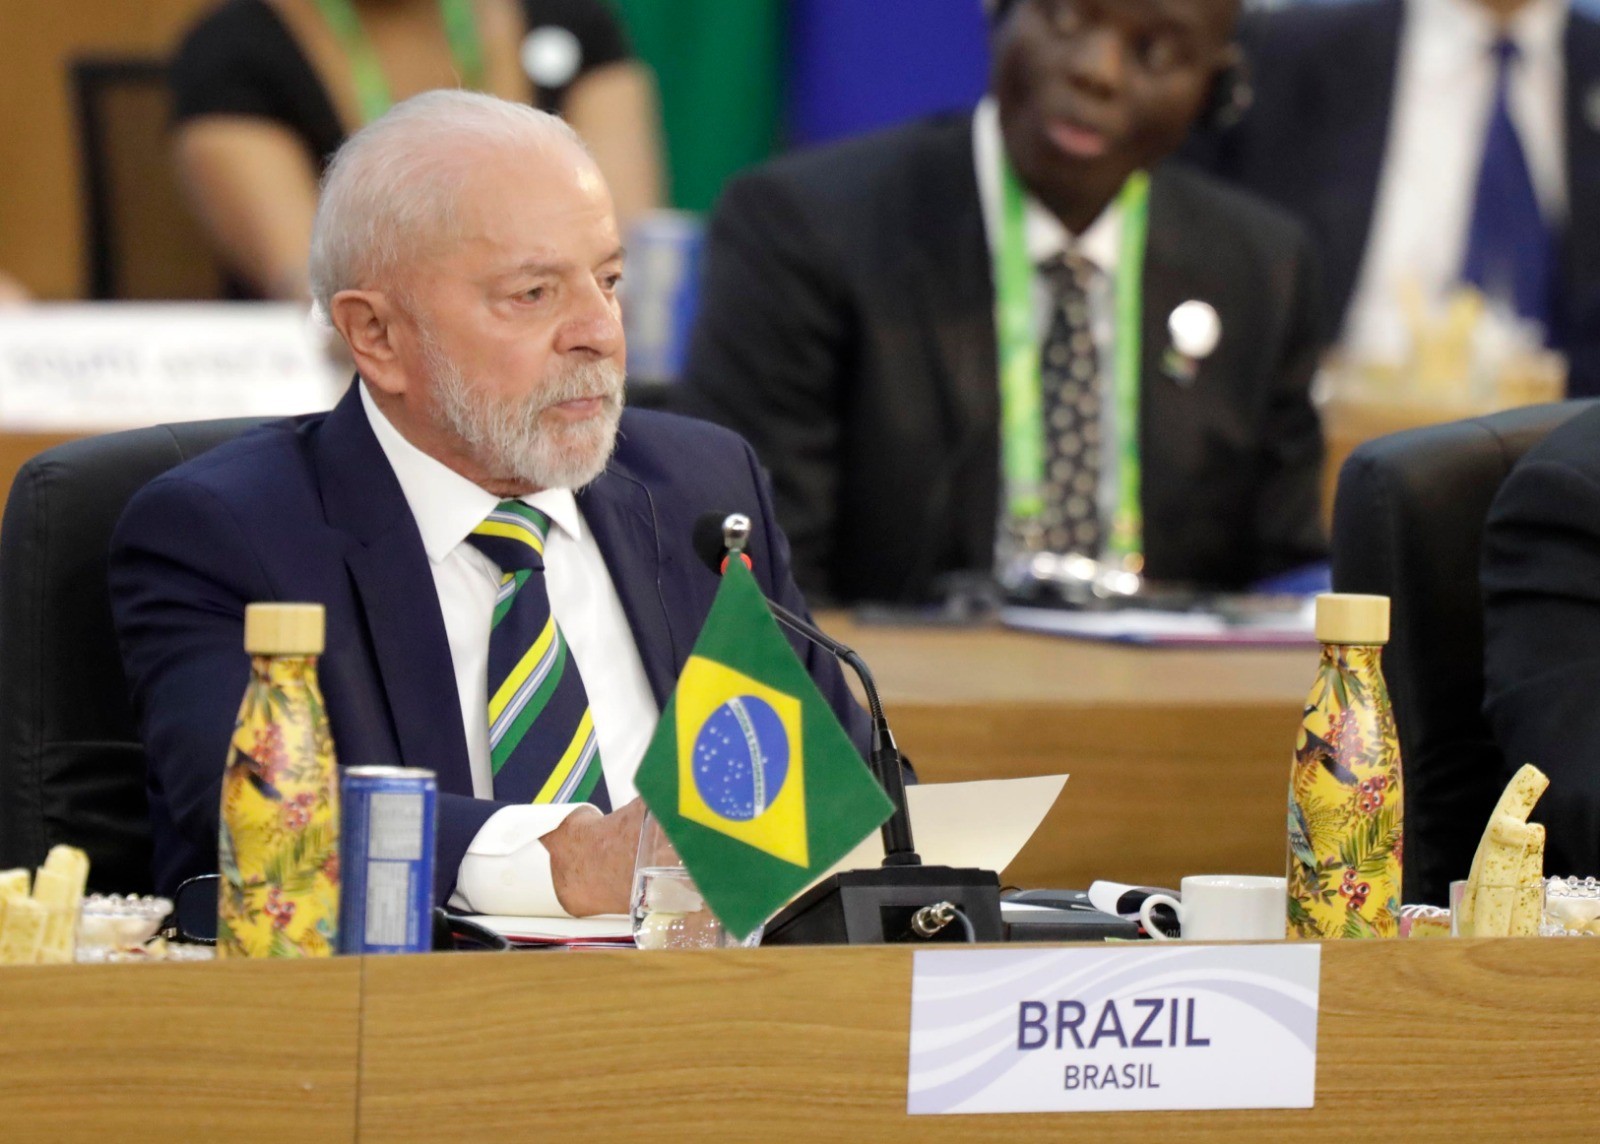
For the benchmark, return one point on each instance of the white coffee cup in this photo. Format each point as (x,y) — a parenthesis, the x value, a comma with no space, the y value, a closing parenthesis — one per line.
(1225,907)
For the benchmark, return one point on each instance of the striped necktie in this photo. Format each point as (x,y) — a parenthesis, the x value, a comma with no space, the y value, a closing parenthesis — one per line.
(541,733)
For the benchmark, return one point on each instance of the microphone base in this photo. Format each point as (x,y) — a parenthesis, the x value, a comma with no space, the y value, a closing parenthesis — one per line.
(874,907)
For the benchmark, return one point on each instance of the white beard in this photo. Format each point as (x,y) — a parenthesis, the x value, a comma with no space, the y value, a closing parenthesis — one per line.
(509,439)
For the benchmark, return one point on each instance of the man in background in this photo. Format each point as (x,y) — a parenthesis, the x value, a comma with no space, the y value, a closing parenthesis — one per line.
(1429,144)
(1147,403)
(505,556)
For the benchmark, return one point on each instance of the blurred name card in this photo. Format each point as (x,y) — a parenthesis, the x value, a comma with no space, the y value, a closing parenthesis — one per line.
(92,367)
(1102,1030)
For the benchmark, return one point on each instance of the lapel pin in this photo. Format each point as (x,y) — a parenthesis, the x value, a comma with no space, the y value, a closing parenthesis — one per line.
(1195,331)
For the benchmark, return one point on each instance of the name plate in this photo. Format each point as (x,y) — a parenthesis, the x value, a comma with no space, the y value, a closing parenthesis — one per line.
(100,366)
(1112,1029)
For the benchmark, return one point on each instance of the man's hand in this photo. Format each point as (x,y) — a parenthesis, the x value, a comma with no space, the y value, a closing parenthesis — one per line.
(591,859)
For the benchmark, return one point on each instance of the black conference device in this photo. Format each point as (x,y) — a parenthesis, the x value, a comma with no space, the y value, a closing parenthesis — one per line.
(903,900)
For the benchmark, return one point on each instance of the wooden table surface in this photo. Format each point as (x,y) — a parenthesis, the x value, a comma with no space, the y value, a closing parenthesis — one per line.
(1418,1040)
(1179,759)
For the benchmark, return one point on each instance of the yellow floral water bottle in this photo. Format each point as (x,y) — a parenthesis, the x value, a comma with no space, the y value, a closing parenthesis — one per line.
(1346,822)
(279,845)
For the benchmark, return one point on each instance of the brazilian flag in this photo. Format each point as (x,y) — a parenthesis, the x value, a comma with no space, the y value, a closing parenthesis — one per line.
(750,774)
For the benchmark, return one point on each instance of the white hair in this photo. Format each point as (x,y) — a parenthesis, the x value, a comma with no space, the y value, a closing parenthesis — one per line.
(392,184)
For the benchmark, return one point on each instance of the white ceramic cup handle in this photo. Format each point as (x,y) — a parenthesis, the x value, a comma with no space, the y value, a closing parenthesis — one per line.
(1150,904)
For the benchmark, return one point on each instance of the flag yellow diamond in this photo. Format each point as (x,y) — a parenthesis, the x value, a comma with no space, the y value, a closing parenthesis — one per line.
(741,763)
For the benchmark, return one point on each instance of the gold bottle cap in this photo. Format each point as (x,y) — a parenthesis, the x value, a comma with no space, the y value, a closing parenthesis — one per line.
(1343,618)
(284,629)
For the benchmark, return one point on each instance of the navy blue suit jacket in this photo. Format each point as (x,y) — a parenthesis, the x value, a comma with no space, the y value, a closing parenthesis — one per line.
(309,510)
(1315,138)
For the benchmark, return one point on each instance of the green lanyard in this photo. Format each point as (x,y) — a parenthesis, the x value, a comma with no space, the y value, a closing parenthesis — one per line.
(372,89)
(1021,414)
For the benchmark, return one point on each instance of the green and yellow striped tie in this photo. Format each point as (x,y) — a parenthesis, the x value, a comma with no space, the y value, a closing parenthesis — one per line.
(541,731)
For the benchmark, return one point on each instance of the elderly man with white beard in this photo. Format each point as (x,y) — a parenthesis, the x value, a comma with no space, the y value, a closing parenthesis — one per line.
(481,467)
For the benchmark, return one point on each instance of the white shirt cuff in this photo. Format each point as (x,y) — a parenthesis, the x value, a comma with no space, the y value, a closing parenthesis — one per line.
(506,869)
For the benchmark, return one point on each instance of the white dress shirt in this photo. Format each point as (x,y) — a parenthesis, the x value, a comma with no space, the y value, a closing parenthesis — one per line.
(1045,237)
(1444,93)
(507,869)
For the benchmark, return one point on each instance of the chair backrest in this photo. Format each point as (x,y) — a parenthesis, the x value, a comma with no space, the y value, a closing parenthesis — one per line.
(71,766)
(142,240)
(1408,524)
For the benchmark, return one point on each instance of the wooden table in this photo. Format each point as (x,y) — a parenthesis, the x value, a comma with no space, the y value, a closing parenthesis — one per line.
(1179,758)
(1425,1040)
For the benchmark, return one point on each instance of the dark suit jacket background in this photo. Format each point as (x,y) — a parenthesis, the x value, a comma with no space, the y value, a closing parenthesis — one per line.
(309,510)
(1325,77)
(1541,586)
(847,330)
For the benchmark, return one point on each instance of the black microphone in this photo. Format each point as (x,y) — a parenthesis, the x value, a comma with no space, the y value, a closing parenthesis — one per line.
(713,532)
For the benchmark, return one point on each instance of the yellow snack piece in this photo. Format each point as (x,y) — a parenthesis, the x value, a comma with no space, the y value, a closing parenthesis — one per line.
(72,864)
(13,885)
(23,932)
(1502,867)
(1528,909)
(1516,802)
(51,888)
(1430,926)
(1522,792)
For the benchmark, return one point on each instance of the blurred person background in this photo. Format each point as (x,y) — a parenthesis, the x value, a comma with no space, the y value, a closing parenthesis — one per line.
(894,320)
(737,84)
(264,91)
(1446,156)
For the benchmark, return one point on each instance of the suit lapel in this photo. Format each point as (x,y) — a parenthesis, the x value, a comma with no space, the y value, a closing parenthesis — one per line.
(1172,414)
(958,292)
(952,277)
(618,510)
(394,583)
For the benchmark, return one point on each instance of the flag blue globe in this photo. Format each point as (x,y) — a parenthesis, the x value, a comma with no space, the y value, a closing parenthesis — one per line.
(741,758)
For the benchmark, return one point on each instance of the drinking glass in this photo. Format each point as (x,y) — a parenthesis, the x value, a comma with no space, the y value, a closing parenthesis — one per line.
(667,908)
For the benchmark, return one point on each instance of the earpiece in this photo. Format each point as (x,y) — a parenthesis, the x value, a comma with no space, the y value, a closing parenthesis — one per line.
(1231,97)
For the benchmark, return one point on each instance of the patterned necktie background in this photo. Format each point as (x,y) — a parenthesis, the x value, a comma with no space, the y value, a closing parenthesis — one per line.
(1069,375)
(541,732)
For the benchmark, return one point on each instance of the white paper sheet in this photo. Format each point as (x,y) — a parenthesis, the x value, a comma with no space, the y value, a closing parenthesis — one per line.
(982,825)
(557,929)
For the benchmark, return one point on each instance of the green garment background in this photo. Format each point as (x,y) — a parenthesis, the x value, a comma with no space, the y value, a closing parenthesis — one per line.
(719,64)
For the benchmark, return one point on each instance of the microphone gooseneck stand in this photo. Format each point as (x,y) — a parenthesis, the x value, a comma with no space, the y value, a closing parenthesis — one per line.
(902,900)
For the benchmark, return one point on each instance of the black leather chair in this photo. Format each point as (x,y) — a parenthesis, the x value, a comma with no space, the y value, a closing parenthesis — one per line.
(71,766)
(1408,523)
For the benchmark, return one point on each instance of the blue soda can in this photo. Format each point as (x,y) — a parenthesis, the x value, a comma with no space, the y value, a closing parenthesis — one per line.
(661,293)
(386,844)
